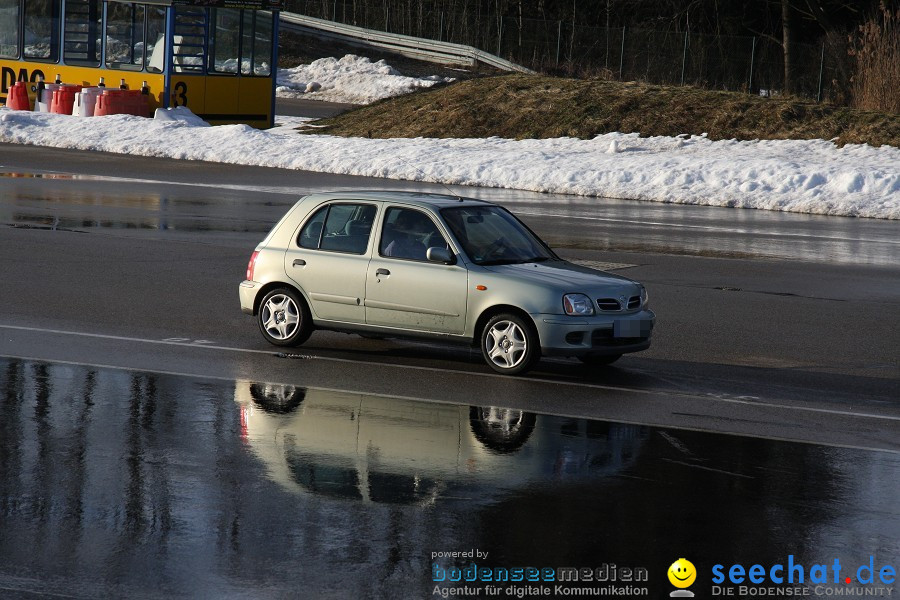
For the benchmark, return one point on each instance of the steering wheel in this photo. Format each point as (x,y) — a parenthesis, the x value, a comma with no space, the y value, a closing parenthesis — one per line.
(494,248)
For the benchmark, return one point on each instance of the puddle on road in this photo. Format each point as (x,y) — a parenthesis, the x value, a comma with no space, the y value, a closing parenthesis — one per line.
(12,175)
(575,223)
(127,482)
(55,223)
(87,211)
(92,203)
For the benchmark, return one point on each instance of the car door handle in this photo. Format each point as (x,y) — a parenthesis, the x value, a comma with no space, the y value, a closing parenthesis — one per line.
(299,262)
(382,272)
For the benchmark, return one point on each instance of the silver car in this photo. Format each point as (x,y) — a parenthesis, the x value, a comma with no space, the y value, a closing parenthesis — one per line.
(437,267)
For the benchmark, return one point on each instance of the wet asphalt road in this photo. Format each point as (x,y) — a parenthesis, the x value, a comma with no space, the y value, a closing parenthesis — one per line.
(137,273)
(139,433)
(127,484)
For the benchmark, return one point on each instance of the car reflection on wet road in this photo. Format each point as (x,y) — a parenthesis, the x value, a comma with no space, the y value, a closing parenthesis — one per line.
(394,450)
(117,483)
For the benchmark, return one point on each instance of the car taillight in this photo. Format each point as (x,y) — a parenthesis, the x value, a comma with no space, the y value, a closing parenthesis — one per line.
(251,265)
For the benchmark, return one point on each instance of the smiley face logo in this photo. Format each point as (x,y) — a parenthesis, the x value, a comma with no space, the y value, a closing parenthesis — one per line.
(682,573)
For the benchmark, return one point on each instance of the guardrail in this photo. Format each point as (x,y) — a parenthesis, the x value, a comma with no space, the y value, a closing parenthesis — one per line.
(413,47)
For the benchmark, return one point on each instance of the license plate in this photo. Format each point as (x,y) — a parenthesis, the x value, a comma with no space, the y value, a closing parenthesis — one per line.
(631,328)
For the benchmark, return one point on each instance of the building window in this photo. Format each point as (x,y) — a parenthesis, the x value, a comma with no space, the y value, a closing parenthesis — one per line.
(125,43)
(224,43)
(256,49)
(9,28)
(189,43)
(42,30)
(155,38)
(82,32)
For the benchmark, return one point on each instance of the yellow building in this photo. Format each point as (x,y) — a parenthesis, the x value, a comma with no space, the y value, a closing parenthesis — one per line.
(216,57)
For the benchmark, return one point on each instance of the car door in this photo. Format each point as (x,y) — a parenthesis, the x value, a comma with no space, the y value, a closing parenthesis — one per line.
(328,258)
(403,288)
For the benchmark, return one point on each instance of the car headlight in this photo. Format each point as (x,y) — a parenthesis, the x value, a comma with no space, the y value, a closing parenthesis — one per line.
(578,305)
(645,297)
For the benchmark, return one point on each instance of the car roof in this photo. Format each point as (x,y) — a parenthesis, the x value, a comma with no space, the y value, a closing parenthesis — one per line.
(415,198)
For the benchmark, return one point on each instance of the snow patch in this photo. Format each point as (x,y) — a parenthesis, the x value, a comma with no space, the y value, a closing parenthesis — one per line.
(352,79)
(179,114)
(804,176)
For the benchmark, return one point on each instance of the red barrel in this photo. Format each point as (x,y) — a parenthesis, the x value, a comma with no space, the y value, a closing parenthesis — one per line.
(99,106)
(111,102)
(17,99)
(64,99)
(137,102)
(131,106)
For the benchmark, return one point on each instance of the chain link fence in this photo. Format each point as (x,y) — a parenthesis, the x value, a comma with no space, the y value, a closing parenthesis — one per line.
(735,63)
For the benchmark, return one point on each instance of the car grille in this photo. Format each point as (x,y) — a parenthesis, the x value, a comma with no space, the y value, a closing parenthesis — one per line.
(608,304)
(612,304)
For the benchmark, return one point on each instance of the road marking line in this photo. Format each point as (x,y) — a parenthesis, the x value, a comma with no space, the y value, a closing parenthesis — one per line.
(695,466)
(615,388)
(447,402)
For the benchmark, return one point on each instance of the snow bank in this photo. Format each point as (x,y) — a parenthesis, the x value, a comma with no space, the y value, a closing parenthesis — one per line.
(352,79)
(180,114)
(787,175)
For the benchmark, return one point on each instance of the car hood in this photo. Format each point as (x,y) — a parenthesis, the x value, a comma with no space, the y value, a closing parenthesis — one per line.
(568,277)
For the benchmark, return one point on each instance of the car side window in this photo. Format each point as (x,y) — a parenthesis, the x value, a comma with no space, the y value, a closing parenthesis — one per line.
(312,231)
(339,228)
(408,233)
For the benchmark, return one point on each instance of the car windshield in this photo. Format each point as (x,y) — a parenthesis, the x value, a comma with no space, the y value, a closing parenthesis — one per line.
(491,235)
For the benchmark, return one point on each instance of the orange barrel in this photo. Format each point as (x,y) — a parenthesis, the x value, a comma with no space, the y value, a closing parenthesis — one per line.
(110,102)
(63,99)
(131,106)
(118,104)
(146,111)
(23,95)
(17,98)
(68,100)
(138,103)
(99,106)
(102,107)
(54,100)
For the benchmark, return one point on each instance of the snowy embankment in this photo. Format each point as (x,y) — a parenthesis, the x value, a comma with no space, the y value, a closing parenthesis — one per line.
(798,176)
(352,79)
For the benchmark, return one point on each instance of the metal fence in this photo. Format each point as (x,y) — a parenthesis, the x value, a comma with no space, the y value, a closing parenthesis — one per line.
(735,63)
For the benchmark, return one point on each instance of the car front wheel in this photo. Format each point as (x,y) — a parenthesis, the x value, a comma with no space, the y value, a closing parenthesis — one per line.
(509,344)
(284,318)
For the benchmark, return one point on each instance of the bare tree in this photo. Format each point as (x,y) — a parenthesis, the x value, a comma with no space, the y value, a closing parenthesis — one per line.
(786,35)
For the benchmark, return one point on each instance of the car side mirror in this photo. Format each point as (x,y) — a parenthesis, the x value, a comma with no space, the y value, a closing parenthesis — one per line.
(440,254)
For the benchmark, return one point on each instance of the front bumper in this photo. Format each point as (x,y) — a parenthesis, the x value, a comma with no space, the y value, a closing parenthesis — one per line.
(562,335)
(247,291)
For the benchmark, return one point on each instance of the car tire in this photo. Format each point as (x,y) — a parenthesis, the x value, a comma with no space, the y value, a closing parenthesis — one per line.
(277,399)
(501,430)
(599,361)
(510,344)
(284,318)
